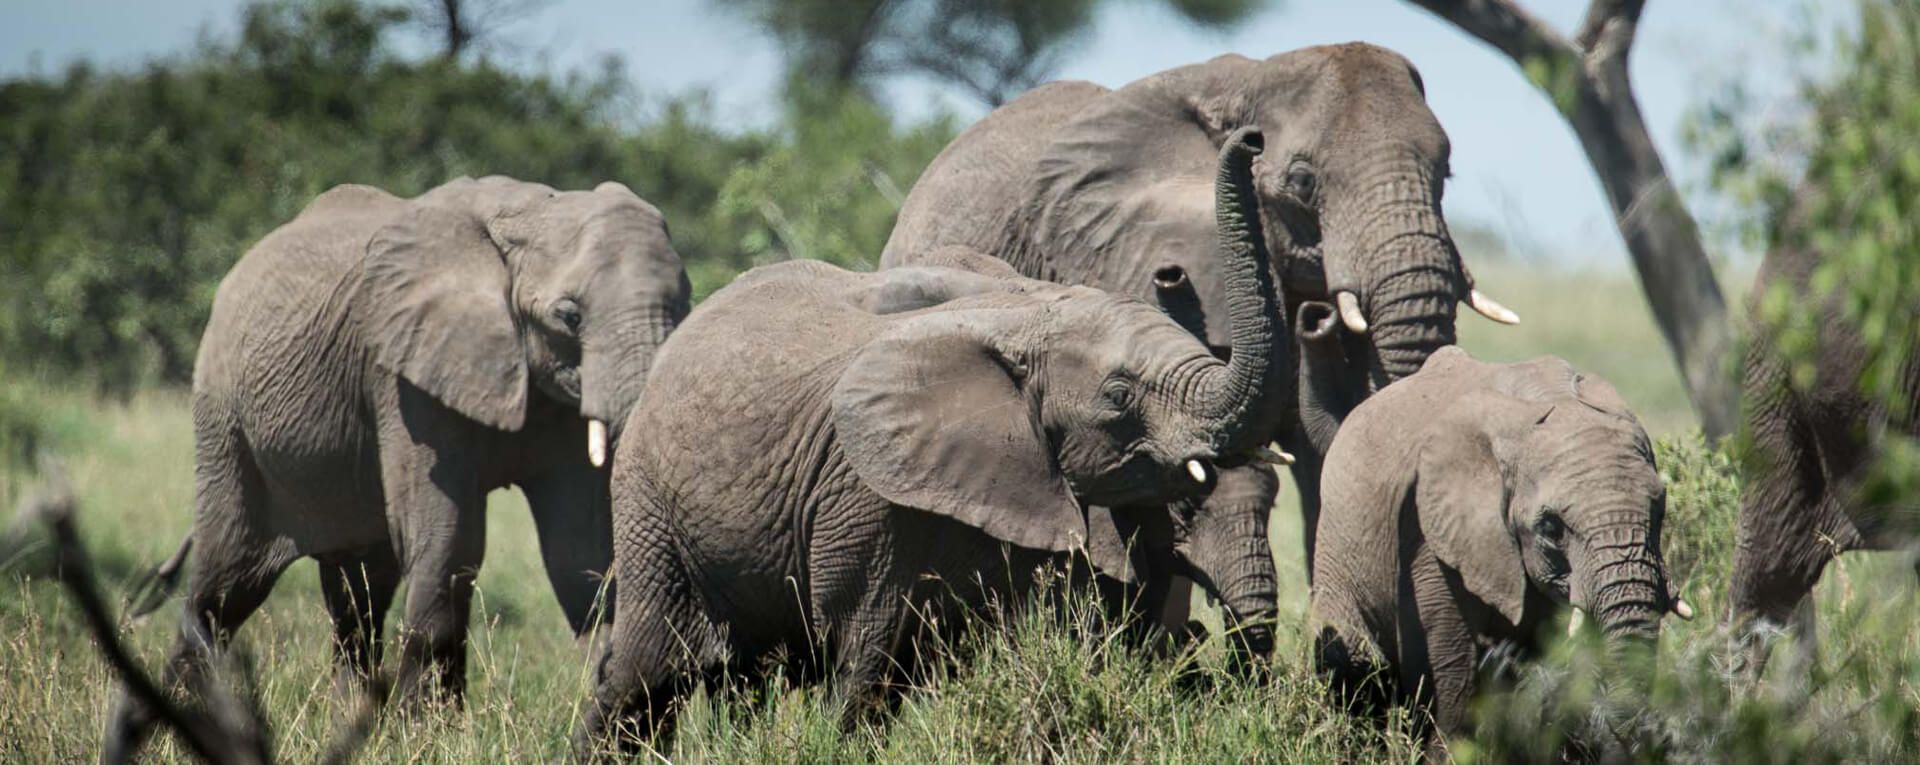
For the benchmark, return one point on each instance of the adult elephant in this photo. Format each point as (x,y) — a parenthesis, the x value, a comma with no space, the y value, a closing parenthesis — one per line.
(1813,446)
(373,368)
(1080,184)
(838,455)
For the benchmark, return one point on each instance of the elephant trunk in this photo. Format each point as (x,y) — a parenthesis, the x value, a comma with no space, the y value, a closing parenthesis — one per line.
(1223,546)
(1325,395)
(1396,275)
(615,360)
(1626,584)
(1235,397)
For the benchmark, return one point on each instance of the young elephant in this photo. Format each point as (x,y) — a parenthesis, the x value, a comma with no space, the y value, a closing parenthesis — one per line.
(832,453)
(373,368)
(1465,505)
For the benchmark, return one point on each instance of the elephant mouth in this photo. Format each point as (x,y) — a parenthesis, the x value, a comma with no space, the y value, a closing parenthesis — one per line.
(566,385)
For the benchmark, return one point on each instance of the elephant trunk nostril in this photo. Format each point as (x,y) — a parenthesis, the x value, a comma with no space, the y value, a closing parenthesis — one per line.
(1169,277)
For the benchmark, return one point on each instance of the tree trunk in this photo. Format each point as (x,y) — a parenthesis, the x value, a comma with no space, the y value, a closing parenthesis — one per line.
(1587,80)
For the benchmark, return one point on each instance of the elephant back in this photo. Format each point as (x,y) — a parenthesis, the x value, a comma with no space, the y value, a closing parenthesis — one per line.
(972,192)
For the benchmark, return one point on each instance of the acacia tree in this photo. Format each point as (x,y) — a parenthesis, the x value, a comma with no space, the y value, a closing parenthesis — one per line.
(991,50)
(1586,77)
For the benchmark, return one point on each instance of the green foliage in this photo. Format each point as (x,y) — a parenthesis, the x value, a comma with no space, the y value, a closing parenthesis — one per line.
(128,195)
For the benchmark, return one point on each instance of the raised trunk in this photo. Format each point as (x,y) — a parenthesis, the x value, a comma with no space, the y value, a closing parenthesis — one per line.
(1235,396)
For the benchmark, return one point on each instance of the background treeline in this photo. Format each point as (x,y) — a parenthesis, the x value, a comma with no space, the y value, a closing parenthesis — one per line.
(124,196)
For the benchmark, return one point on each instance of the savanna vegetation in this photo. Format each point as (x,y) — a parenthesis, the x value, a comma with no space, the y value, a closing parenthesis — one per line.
(124,195)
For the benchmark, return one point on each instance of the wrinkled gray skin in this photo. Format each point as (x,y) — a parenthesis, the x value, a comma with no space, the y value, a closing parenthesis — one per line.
(835,454)
(373,368)
(1466,505)
(1080,184)
(1810,450)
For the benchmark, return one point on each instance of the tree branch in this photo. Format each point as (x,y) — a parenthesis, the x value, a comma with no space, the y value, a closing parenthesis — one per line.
(1599,17)
(1607,33)
(1505,26)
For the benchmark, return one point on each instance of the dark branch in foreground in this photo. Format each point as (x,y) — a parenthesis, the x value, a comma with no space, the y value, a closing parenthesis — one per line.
(233,730)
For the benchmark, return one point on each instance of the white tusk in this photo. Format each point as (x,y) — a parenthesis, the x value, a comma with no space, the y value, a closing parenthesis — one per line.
(1682,610)
(1350,315)
(1492,309)
(596,442)
(1197,470)
(1273,455)
(1574,622)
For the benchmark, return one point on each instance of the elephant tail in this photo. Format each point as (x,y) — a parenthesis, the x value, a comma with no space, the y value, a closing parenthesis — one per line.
(154,587)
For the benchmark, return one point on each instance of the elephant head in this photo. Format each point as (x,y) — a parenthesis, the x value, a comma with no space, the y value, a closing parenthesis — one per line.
(1350,189)
(1014,412)
(1544,479)
(485,290)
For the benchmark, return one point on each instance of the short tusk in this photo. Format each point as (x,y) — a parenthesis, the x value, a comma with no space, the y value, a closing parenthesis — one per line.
(1273,455)
(1682,610)
(1491,308)
(1573,622)
(1350,315)
(597,442)
(1198,470)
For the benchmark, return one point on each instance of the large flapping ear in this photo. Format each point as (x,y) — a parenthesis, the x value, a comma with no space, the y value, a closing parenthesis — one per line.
(438,313)
(933,415)
(1462,488)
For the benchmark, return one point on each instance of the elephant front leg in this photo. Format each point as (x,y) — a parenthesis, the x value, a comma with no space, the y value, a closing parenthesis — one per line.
(1438,649)
(435,501)
(572,515)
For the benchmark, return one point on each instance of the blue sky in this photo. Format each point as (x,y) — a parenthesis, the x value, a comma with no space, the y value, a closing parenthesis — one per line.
(1517,166)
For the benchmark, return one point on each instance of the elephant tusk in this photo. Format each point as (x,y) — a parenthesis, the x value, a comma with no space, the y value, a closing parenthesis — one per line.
(1682,610)
(1349,305)
(1574,621)
(1273,455)
(1198,470)
(597,442)
(1491,308)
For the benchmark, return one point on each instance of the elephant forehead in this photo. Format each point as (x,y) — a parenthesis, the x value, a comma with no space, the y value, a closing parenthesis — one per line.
(1123,326)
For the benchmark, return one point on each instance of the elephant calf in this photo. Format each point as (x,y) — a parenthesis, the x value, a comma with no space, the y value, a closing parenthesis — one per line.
(1464,506)
(373,368)
(831,453)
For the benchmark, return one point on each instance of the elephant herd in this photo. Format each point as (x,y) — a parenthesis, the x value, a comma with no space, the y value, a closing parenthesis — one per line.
(1102,318)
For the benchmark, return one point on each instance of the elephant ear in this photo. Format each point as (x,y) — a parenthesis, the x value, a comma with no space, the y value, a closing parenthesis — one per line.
(933,416)
(1461,492)
(439,314)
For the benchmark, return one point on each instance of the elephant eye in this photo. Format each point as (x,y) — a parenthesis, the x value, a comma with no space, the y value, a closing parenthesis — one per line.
(1549,528)
(1117,393)
(567,312)
(1300,180)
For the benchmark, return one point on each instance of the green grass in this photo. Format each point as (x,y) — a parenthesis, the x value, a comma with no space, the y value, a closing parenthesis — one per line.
(1033,693)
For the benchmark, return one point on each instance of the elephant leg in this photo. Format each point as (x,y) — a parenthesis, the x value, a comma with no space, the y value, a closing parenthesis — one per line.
(571,514)
(234,563)
(435,499)
(1438,650)
(665,640)
(358,590)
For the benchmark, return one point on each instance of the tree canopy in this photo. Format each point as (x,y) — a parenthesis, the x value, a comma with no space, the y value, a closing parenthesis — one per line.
(126,195)
(992,50)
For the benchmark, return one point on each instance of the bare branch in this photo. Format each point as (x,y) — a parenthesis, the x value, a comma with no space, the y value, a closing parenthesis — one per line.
(1505,26)
(1614,20)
